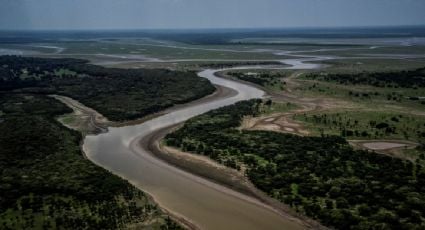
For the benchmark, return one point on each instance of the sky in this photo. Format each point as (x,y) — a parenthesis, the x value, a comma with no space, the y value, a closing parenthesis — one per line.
(186,14)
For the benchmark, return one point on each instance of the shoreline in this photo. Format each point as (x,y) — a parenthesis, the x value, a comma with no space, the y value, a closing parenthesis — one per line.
(221,175)
(96,123)
(220,92)
(184,222)
(238,186)
(215,172)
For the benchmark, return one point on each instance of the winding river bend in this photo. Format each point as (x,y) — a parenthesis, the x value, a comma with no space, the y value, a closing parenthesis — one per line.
(203,203)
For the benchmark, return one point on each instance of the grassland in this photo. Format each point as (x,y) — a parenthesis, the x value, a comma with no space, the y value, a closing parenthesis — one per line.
(271,107)
(140,50)
(389,51)
(381,101)
(396,99)
(366,125)
(356,65)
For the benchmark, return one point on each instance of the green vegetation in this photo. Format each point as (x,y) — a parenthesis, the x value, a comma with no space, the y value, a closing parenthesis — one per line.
(389,51)
(119,94)
(322,177)
(269,107)
(218,65)
(405,79)
(268,80)
(359,65)
(367,96)
(140,49)
(366,124)
(46,183)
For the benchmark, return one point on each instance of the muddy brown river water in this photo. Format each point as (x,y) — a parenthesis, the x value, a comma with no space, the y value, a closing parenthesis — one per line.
(204,203)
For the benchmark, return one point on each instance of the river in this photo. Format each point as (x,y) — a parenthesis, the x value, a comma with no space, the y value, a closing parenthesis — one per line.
(204,203)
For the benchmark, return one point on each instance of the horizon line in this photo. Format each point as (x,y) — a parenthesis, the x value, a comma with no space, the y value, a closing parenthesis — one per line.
(214,28)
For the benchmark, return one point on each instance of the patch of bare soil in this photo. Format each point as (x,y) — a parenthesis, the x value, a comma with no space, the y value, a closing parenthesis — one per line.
(283,122)
(276,122)
(382,145)
(393,148)
(83,118)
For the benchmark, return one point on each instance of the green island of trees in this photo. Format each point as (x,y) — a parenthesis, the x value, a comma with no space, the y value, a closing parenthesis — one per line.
(219,65)
(262,79)
(322,177)
(118,94)
(46,183)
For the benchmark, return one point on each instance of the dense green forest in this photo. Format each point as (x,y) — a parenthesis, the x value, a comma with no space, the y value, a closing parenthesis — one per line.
(239,63)
(45,181)
(405,78)
(322,177)
(263,79)
(119,94)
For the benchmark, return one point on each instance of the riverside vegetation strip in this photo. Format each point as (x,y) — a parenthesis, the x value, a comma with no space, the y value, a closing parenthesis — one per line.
(118,94)
(322,177)
(45,181)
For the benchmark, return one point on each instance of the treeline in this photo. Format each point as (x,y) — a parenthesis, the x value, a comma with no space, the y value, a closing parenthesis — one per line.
(119,94)
(321,177)
(404,79)
(263,79)
(45,182)
(231,64)
(19,72)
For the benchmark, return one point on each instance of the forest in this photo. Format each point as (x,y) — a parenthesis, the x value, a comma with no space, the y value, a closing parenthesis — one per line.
(45,181)
(118,94)
(263,79)
(228,64)
(405,79)
(322,177)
